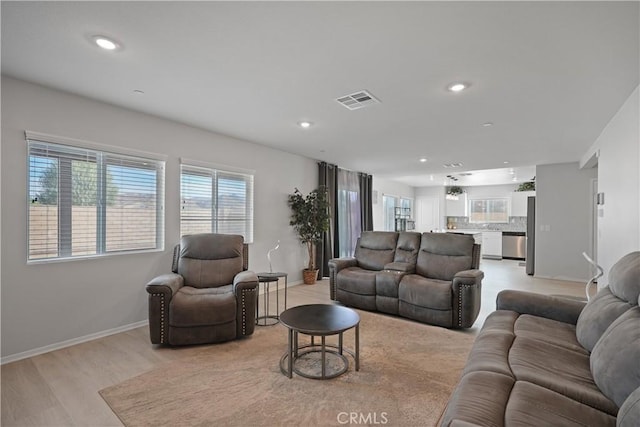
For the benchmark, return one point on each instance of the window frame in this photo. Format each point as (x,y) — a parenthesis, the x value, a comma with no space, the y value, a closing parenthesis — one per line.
(102,156)
(489,200)
(215,172)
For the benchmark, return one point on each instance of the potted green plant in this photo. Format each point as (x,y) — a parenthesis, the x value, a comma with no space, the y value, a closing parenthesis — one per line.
(310,219)
(528,186)
(455,190)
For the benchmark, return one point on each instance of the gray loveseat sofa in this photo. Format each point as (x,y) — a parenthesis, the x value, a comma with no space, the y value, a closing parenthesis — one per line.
(542,360)
(429,277)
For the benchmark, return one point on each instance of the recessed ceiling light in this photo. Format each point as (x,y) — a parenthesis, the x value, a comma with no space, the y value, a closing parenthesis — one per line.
(105,42)
(457,87)
(506,163)
(487,124)
(422,160)
(304,125)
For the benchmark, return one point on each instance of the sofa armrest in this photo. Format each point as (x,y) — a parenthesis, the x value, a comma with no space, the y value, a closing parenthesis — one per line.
(335,265)
(245,288)
(467,296)
(554,308)
(468,277)
(161,289)
(338,264)
(405,267)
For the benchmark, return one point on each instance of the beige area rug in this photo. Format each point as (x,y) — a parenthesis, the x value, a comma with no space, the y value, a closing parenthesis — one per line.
(407,372)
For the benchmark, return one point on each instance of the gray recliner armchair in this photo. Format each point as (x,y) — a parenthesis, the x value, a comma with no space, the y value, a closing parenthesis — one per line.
(209,296)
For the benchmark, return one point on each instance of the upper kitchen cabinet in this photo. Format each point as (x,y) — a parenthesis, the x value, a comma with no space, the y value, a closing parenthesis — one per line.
(519,202)
(457,207)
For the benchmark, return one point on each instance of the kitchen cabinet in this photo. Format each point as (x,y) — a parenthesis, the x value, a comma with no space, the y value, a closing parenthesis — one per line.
(519,202)
(457,207)
(492,244)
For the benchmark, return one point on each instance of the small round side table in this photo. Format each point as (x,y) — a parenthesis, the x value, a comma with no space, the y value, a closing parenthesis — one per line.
(266,279)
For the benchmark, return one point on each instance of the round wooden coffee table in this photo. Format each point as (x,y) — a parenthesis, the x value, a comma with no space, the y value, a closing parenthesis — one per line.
(319,320)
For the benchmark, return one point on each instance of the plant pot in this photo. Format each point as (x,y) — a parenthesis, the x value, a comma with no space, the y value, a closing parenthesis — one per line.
(309,277)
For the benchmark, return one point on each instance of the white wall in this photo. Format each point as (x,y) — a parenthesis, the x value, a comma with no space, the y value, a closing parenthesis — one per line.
(563,225)
(390,188)
(618,153)
(49,303)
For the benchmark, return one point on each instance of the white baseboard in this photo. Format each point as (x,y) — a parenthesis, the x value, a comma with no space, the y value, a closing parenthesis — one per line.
(68,343)
(79,340)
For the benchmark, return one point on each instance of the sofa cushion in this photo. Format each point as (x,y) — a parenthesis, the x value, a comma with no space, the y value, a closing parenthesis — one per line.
(629,413)
(622,293)
(480,398)
(357,280)
(623,278)
(490,352)
(442,255)
(376,249)
(387,283)
(532,405)
(615,360)
(547,330)
(597,316)
(557,368)
(198,307)
(424,292)
(407,247)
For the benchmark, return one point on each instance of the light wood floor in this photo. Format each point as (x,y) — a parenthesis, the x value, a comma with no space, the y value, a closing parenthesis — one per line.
(60,388)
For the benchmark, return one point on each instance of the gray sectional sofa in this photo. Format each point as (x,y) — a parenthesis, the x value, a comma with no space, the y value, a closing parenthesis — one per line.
(548,361)
(429,277)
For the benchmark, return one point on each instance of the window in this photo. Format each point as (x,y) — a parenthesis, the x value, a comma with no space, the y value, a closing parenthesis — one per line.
(87,202)
(349,212)
(488,210)
(216,201)
(389,205)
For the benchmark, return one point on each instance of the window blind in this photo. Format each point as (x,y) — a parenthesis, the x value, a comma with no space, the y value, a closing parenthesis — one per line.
(87,202)
(216,201)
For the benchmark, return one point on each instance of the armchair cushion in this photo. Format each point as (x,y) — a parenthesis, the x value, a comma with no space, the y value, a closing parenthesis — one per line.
(208,260)
(202,306)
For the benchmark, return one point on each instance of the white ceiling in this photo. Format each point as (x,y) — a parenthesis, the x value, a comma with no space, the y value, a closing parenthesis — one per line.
(548,75)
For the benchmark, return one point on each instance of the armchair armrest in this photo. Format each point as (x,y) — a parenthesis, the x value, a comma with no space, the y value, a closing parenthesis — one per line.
(245,288)
(166,284)
(554,308)
(245,280)
(405,267)
(161,290)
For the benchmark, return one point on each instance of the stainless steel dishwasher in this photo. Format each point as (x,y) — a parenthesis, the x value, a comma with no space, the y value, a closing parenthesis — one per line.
(514,245)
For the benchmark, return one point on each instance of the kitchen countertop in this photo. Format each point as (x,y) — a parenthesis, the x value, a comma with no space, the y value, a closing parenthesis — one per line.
(477,231)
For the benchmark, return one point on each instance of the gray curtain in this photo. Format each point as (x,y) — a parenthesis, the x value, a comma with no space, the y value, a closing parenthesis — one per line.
(366,201)
(328,248)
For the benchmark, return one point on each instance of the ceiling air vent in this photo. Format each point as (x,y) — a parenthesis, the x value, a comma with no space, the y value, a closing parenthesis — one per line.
(357,100)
